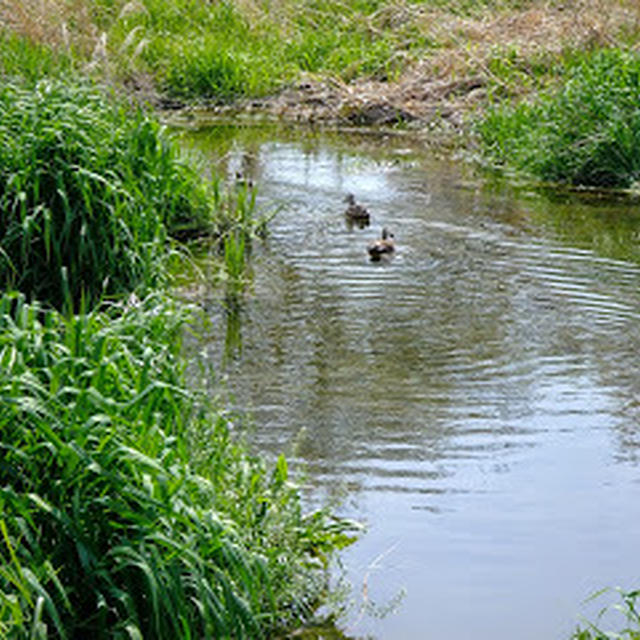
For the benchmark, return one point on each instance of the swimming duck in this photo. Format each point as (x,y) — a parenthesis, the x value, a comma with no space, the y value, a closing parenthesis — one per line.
(356,212)
(242,181)
(384,246)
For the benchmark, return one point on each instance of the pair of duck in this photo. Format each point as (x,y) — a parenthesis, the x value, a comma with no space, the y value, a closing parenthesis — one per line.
(357,214)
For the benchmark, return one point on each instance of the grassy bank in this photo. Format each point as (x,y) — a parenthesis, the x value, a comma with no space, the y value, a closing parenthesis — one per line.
(221,50)
(128,510)
(129,507)
(587,132)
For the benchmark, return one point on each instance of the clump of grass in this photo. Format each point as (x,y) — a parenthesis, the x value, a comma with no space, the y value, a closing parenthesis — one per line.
(89,191)
(237,212)
(128,509)
(31,60)
(235,263)
(226,60)
(223,50)
(586,133)
(628,608)
(238,227)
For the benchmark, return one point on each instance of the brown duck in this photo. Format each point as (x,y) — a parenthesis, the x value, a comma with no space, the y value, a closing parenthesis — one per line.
(384,246)
(355,213)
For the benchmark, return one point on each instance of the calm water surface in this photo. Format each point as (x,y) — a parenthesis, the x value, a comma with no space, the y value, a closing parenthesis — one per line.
(478,397)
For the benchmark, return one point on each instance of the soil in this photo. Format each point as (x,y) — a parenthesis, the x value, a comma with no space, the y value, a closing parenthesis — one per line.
(367,103)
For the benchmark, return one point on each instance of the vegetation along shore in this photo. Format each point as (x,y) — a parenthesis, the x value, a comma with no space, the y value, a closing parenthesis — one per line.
(129,506)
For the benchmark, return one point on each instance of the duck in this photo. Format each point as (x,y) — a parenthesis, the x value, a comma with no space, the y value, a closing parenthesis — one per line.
(356,213)
(241,181)
(384,246)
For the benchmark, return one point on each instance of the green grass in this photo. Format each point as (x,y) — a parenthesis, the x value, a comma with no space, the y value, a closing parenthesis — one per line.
(219,52)
(128,510)
(89,192)
(627,630)
(30,60)
(213,54)
(585,133)
(92,193)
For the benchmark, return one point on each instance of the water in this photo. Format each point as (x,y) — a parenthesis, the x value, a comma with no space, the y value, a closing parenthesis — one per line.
(477,397)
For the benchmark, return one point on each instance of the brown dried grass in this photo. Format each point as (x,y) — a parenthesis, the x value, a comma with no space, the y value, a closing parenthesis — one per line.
(468,43)
(60,24)
(447,81)
(444,80)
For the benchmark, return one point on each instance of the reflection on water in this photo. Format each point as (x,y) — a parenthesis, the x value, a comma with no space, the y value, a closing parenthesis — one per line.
(478,395)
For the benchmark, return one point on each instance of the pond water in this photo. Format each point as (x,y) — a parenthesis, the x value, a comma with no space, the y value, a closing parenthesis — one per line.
(476,400)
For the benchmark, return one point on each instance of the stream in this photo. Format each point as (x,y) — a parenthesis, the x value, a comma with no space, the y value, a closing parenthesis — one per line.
(475,400)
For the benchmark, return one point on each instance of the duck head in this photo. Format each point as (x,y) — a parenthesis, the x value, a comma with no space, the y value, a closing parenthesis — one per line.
(350,199)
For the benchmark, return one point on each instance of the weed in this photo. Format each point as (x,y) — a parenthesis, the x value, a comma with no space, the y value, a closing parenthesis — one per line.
(587,133)
(128,510)
(628,608)
(89,191)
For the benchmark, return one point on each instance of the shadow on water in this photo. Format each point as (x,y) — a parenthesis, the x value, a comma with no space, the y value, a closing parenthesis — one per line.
(477,397)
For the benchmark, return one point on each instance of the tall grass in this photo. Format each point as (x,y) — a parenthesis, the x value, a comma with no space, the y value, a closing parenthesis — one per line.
(586,133)
(629,629)
(222,50)
(128,510)
(225,50)
(239,226)
(31,60)
(89,191)
(214,52)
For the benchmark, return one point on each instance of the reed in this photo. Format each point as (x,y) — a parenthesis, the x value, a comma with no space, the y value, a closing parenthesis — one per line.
(128,509)
(235,263)
(628,628)
(90,190)
(239,226)
(586,133)
(233,329)
(31,60)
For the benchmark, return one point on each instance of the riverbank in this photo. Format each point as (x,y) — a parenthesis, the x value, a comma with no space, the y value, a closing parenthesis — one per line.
(130,506)
(418,65)
(475,61)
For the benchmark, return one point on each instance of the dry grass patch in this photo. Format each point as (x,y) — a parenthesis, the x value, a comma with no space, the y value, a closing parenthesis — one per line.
(61,24)
(521,39)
